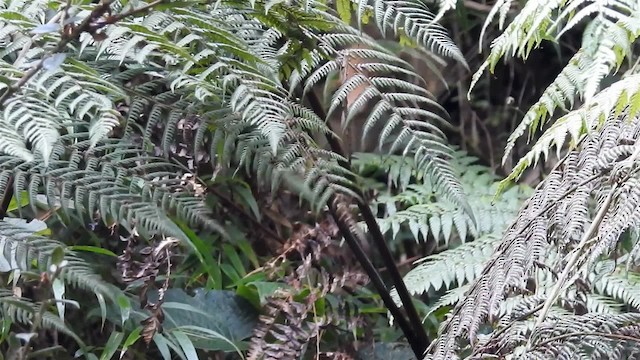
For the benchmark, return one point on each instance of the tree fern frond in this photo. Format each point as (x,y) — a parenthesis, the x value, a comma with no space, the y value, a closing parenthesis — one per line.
(502,7)
(23,311)
(621,96)
(457,266)
(605,46)
(415,20)
(406,127)
(527,29)
(119,184)
(595,333)
(425,211)
(603,304)
(33,119)
(20,250)
(620,285)
(545,226)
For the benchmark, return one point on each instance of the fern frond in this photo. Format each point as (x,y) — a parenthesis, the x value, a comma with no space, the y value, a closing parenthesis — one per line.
(397,106)
(537,21)
(23,311)
(556,219)
(593,334)
(605,46)
(114,182)
(425,210)
(622,97)
(20,250)
(620,285)
(454,267)
(415,20)
(500,7)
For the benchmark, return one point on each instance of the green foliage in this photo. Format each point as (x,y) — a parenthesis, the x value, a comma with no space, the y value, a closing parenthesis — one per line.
(30,257)
(25,252)
(232,321)
(387,351)
(607,42)
(451,268)
(418,22)
(131,127)
(422,207)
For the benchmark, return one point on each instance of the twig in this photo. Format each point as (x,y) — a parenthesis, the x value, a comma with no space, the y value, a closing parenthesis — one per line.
(576,334)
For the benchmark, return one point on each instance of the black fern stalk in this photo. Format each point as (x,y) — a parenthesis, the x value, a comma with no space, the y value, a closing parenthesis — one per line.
(417,337)
(348,227)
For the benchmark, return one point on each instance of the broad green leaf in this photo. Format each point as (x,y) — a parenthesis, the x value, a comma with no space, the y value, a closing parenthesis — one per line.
(131,339)
(234,317)
(112,345)
(93,249)
(186,345)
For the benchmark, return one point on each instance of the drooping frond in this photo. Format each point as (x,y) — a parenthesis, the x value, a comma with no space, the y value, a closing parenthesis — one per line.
(20,250)
(233,61)
(114,182)
(450,268)
(620,97)
(538,21)
(24,311)
(591,336)
(606,43)
(401,115)
(413,19)
(618,284)
(605,46)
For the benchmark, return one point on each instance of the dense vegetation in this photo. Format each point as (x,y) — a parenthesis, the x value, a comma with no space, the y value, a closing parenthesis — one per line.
(319,179)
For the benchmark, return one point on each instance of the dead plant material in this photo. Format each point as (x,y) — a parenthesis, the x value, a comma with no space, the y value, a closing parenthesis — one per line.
(146,264)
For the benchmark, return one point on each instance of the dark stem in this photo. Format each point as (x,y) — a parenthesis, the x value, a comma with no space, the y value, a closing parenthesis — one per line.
(343,219)
(418,335)
(5,198)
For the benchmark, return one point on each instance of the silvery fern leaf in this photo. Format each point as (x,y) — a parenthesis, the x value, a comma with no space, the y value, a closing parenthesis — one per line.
(401,114)
(19,250)
(618,284)
(545,226)
(622,96)
(428,213)
(526,30)
(502,7)
(607,42)
(36,120)
(605,46)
